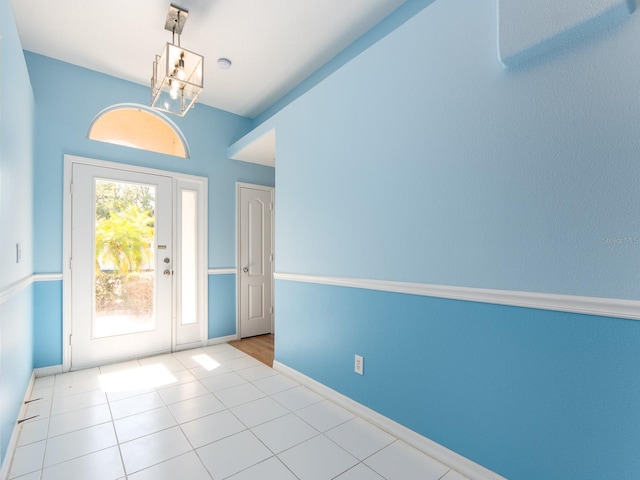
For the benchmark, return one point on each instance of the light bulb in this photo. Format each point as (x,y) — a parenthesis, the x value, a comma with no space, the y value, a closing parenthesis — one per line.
(178,74)
(174,90)
(180,67)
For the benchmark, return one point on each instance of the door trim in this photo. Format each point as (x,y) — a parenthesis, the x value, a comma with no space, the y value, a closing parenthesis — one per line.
(177,177)
(240,185)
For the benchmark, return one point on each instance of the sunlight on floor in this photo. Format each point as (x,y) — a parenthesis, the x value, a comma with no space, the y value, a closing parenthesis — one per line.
(138,378)
(206,361)
(149,376)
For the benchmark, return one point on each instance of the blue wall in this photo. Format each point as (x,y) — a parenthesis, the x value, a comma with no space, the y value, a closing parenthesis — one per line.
(400,15)
(47,312)
(505,179)
(425,160)
(530,394)
(16,154)
(64,111)
(16,221)
(222,292)
(16,359)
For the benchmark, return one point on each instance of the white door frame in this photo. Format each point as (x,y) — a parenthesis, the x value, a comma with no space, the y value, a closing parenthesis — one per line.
(240,185)
(180,180)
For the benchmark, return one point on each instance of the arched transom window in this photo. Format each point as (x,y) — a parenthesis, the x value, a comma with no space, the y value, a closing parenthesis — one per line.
(137,126)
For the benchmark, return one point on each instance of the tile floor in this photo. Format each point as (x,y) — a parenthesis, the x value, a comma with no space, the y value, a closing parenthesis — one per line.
(209,413)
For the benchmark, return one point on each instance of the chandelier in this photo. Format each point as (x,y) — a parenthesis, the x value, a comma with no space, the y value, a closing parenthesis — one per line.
(177,73)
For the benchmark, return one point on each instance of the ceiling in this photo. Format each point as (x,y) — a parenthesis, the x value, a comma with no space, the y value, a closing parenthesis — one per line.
(273,44)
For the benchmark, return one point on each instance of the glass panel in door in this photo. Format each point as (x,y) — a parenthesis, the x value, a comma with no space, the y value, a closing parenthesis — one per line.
(125,258)
(188,250)
(191,275)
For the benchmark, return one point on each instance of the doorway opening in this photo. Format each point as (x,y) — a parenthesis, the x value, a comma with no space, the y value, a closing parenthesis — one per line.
(260,347)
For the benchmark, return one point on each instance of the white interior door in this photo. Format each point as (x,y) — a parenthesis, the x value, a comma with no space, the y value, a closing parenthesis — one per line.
(255,260)
(121,264)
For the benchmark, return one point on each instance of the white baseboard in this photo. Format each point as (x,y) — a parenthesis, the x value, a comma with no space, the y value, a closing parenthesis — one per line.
(47,371)
(448,457)
(219,340)
(15,434)
(187,346)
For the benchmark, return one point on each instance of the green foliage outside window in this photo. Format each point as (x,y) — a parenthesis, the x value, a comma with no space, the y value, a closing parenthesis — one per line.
(124,236)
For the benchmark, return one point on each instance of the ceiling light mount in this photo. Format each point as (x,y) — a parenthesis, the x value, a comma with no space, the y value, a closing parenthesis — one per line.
(176,18)
(178,73)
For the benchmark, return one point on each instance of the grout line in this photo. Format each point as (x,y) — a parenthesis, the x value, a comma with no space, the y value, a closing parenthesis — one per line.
(115,431)
(46,440)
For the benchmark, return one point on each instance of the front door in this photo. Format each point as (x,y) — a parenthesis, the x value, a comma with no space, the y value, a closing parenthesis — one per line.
(121,265)
(255,259)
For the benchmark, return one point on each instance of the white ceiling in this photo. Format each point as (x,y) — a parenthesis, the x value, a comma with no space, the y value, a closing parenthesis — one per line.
(273,44)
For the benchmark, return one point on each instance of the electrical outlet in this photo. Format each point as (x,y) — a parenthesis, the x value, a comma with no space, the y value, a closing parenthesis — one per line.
(358,366)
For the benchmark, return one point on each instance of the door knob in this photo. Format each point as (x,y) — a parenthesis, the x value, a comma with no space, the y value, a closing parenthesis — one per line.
(167,273)
(245,269)
(167,260)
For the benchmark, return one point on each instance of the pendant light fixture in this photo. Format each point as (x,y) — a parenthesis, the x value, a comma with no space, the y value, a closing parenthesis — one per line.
(177,73)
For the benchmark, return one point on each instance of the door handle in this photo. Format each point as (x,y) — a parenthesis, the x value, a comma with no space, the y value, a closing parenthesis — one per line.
(245,269)
(167,273)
